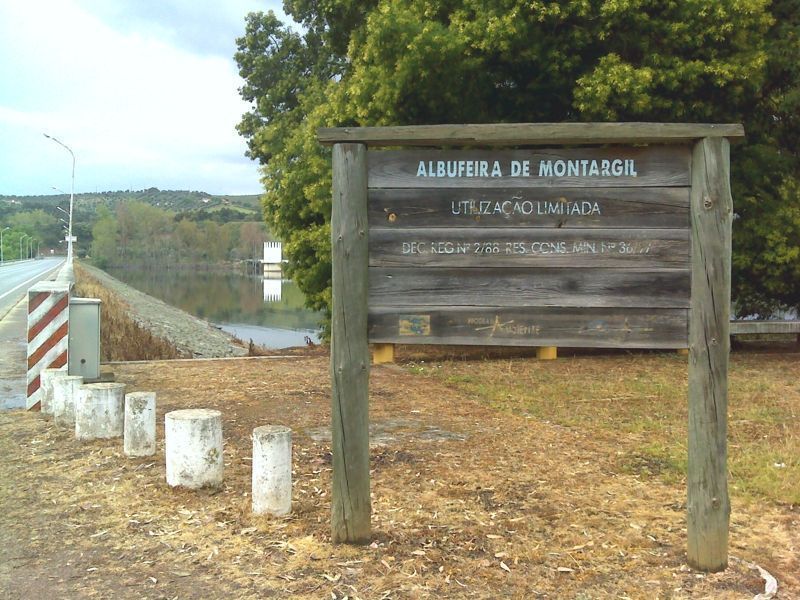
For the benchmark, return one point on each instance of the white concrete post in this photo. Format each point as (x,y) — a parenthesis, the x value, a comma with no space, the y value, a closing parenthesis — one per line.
(99,411)
(65,393)
(272,470)
(193,444)
(140,424)
(46,397)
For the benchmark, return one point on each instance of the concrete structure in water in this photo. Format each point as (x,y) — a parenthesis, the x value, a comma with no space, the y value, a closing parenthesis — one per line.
(47,379)
(140,424)
(193,443)
(272,470)
(99,411)
(65,394)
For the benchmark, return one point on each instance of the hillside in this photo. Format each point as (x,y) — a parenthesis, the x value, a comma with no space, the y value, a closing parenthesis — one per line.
(173,200)
(175,225)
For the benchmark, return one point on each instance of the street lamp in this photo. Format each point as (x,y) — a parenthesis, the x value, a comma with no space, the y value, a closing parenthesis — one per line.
(24,235)
(72,193)
(2,260)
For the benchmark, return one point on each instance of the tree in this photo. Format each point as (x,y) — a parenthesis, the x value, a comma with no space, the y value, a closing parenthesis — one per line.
(251,240)
(189,239)
(105,238)
(455,61)
(766,249)
(38,224)
(11,244)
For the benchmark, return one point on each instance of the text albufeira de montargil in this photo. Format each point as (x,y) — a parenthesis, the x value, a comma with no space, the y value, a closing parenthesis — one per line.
(581,167)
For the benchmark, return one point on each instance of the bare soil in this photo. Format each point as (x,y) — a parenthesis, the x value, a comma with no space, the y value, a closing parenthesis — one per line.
(469,500)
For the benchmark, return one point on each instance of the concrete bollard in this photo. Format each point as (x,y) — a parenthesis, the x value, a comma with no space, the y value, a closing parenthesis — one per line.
(65,392)
(140,424)
(46,397)
(272,470)
(193,443)
(99,411)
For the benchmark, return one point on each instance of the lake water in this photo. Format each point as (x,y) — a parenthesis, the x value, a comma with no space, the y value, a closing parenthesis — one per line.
(270,312)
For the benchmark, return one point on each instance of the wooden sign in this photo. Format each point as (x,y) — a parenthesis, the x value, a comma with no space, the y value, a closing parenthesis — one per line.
(607,245)
(546,247)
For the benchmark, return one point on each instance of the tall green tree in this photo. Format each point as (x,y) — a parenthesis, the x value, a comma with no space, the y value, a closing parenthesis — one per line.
(105,238)
(43,227)
(454,61)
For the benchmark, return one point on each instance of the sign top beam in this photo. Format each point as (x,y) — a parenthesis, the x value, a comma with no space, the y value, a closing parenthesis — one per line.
(533,134)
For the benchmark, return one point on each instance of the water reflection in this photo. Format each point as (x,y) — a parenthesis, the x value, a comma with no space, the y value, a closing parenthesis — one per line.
(273,290)
(268,311)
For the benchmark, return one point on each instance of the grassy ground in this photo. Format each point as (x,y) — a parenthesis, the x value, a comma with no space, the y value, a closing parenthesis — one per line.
(491,478)
(640,403)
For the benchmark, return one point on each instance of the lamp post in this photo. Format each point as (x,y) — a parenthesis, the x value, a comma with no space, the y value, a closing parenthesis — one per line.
(2,259)
(24,235)
(71,195)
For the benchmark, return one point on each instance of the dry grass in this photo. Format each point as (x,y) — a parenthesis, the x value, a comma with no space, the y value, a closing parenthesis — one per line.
(475,494)
(121,338)
(640,403)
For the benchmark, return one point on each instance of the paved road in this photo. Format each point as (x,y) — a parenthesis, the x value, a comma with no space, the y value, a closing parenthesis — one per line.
(17,277)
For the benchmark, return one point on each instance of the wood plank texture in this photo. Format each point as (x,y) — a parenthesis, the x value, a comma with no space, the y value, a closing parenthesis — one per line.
(509,287)
(510,134)
(658,207)
(489,248)
(708,505)
(617,166)
(350,359)
(745,327)
(580,327)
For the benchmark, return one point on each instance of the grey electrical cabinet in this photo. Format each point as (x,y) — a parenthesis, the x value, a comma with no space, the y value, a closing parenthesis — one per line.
(84,338)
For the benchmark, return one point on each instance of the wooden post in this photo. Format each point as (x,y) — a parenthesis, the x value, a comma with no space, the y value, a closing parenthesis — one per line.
(547,353)
(350,501)
(382,354)
(708,505)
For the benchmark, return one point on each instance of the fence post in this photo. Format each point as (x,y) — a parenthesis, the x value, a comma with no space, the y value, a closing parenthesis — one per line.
(350,502)
(708,505)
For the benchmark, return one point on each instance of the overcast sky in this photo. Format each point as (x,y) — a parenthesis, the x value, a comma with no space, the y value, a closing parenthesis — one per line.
(145,92)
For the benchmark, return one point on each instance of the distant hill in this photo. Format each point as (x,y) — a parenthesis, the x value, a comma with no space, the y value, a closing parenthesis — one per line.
(174,200)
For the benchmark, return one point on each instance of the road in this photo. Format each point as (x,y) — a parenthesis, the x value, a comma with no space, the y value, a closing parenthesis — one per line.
(17,277)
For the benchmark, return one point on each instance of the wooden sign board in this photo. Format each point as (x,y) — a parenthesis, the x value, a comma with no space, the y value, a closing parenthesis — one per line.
(608,245)
(544,247)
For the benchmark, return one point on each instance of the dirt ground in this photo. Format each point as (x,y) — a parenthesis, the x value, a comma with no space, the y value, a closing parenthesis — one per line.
(468,501)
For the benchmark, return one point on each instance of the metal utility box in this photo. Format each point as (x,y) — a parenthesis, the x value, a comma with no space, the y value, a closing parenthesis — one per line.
(84,337)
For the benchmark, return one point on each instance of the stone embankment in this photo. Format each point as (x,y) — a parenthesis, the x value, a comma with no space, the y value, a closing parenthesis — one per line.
(191,336)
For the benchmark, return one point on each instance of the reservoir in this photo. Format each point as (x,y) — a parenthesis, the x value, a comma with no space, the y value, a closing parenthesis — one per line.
(270,312)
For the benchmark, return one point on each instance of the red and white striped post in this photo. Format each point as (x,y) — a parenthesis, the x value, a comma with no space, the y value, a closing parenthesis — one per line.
(48,329)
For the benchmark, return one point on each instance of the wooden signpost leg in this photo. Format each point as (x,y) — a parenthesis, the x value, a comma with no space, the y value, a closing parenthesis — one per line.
(350,501)
(709,345)
(382,354)
(547,353)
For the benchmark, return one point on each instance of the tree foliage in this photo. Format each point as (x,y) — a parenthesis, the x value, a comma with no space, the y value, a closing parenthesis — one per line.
(456,61)
(138,233)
